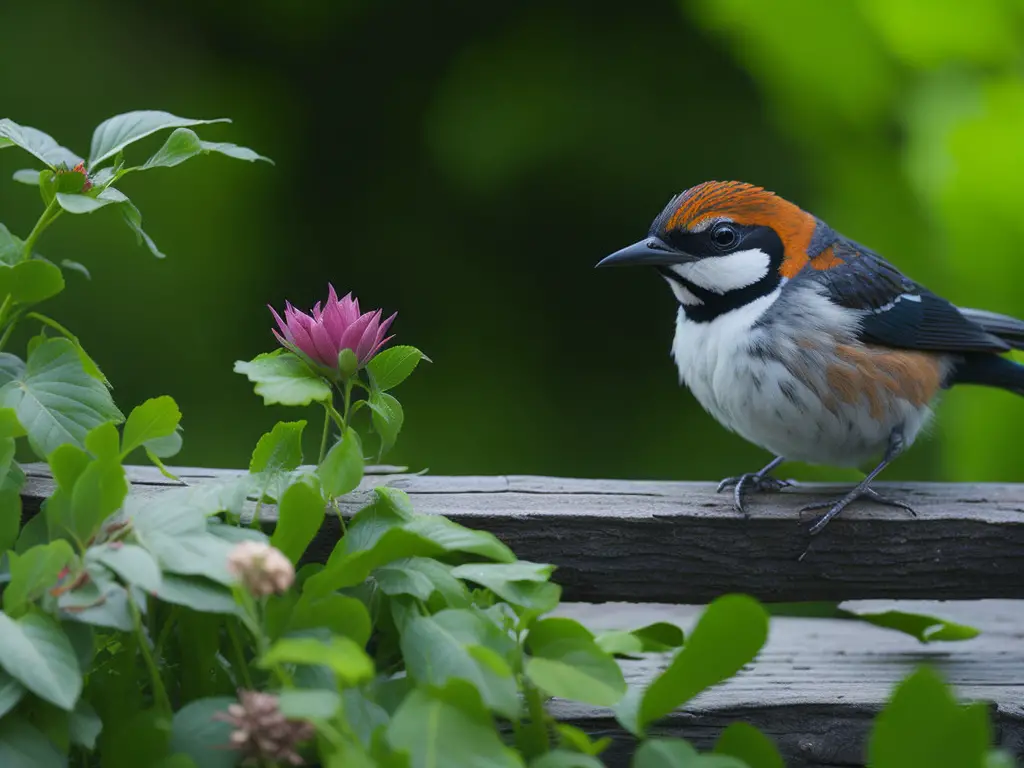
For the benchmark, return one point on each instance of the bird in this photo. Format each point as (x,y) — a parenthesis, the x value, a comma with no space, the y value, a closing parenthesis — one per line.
(807,343)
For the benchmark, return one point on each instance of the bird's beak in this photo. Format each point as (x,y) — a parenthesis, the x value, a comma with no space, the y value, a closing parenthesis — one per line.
(650,251)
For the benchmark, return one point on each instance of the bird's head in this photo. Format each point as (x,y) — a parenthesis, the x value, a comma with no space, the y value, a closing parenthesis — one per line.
(721,245)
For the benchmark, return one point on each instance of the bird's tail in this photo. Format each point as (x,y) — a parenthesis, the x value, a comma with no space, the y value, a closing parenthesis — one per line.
(990,370)
(1009,329)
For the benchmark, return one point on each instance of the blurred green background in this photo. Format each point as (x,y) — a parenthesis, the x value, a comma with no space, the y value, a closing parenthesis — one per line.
(467,164)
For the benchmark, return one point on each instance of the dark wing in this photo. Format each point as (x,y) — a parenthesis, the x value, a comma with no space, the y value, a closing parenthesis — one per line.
(897,311)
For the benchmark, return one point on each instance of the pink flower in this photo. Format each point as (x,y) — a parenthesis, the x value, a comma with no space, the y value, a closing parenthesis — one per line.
(324,334)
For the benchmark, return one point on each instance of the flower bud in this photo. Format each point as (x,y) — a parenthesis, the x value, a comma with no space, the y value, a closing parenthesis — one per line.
(261,732)
(262,569)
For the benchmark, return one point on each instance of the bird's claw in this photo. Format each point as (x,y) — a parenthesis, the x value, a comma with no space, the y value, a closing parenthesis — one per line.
(835,507)
(752,481)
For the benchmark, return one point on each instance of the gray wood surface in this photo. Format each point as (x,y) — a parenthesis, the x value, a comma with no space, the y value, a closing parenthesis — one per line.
(818,683)
(679,542)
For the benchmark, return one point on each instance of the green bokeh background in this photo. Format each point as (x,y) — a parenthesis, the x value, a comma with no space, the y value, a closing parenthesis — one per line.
(467,164)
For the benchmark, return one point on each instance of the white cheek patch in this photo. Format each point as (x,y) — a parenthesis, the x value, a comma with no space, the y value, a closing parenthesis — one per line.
(683,294)
(721,274)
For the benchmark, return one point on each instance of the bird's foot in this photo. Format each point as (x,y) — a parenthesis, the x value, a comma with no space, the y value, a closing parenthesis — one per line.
(834,508)
(755,482)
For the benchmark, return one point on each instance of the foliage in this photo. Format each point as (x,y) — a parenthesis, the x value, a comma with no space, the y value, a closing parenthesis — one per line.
(183,630)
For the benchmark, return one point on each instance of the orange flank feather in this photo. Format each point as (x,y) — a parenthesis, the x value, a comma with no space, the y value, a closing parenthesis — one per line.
(747,204)
(879,374)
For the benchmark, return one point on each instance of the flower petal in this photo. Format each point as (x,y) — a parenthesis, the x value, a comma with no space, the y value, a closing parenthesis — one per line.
(324,346)
(368,338)
(354,332)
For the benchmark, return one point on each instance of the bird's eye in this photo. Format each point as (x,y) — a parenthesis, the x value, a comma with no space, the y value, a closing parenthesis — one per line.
(724,236)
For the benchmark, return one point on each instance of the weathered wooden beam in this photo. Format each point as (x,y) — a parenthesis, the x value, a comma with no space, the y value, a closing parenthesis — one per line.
(818,684)
(679,542)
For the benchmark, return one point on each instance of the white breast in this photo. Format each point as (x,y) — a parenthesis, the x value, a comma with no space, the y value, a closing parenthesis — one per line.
(759,397)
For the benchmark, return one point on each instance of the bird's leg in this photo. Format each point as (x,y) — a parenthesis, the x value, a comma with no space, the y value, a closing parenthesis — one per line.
(894,449)
(758,482)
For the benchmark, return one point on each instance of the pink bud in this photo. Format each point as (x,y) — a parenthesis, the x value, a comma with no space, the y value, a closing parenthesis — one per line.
(262,569)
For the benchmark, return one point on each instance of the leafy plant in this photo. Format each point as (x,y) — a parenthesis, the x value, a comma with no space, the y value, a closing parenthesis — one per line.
(187,630)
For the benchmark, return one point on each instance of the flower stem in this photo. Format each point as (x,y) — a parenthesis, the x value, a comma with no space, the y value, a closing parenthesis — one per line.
(236,646)
(48,217)
(347,406)
(323,438)
(535,734)
(11,325)
(159,691)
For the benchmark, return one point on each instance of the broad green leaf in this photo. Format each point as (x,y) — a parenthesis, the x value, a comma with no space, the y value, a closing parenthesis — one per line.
(393,366)
(435,653)
(12,368)
(279,449)
(34,572)
(85,725)
(10,247)
(344,657)
(28,176)
(927,629)
(342,467)
(421,577)
(100,601)
(453,537)
(281,378)
(195,733)
(676,753)
(198,554)
(56,400)
(387,418)
(11,692)
(730,633)
(184,144)
(923,726)
(563,758)
(300,514)
(36,143)
(103,442)
(156,418)
(9,424)
(196,593)
(133,736)
(10,497)
(78,203)
(129,561)
(22,745)
(654,638)
(521,583)
(89,364)
(115,133)
(745,742)
(133,218)
(341,614)
(566,662)
(37,653)
(307,704)
(32,281)
(449,727)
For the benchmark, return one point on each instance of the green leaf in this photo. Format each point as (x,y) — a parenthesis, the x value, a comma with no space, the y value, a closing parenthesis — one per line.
(11,692)
(154,419)
(563,758)
(393,366)
(421,577)
(654,638)
(76,266)
(923,726)
(196,734)
(566,662)
(22,745)
(32,281)
(89,364)
(307,704)
(999,758)
(196,593)
(133,736)
(449,727)
(56,400)
(37,653)
(521,583)
(388,418)
(34,572)
(452,537)
(103,442)
(342,467)
(85,725)
(184,144)
(439,648)
(341,614)
(198,554)
(730,633)
(346,659)
(36,143)
(279,449)
(115,133)
(281,378)
(299,517)
(578,740)
(10,247)
(745,742)
(927,629)
(29,176)
(79,204)
(133,218)
(10,498)
(129,561)
(676,753)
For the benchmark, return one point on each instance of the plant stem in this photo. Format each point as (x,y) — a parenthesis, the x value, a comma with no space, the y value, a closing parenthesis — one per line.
(323,438)
(10,325)
(347,406)
(536,733)
(236,646)
(159,692)
(49,216)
